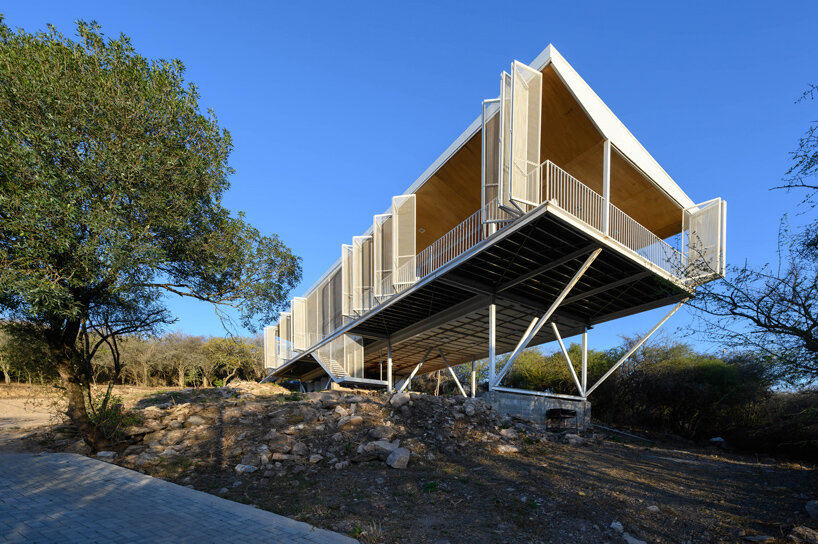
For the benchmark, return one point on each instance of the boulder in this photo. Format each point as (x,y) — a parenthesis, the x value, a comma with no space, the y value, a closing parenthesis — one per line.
(812,509)
(469,409)
(506,448)
(340,411)
(631,540)
(106,455)
(382,432)
(511,434)
(399,399)
(195,420)
(378,448)
(804,535)
(617,526)
(242,469)
(349,422)
(316,458)
(300,449)
(280,444)
(399,458)
(574,439)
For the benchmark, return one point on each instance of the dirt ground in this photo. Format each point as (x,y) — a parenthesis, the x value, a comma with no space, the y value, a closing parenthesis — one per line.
(457,486)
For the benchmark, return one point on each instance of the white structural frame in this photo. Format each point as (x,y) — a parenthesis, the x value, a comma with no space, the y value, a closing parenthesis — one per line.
(386,281)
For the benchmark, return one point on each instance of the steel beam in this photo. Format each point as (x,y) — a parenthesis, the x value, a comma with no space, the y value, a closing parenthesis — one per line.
(451,371)
(634,348)
(607,287)
(547,315)
(546,267)
(417,367)
(432,322)
(567,357)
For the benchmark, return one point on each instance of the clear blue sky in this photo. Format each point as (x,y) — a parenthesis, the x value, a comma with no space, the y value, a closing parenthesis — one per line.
(336,106)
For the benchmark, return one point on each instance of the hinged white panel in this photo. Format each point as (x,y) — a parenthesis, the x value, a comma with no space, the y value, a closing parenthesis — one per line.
(382,251)
(504,159)
(270,334)
(404,239)
(362,274)
(706,243)
(347,279)
(299,323)
(284,336)
(526,119)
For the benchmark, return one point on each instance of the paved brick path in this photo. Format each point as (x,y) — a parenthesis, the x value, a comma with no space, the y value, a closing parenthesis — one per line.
(68,498)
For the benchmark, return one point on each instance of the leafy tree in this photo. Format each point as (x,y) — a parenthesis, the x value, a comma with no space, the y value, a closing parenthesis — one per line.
(771,309)
(233,356)
(111,182)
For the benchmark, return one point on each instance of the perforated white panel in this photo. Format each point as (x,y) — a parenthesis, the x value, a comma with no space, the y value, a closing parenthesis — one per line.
(706,241)
(299,323)
(526,105)
(362,274)
(347,279)
(382,251)
(404,235)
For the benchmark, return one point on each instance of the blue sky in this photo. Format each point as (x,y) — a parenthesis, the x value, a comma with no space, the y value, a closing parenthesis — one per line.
(335,107)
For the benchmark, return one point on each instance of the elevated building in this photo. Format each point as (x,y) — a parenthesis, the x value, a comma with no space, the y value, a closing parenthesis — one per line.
(544,218)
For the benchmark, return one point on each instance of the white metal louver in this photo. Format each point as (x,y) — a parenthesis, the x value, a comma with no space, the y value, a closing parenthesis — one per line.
(382,253)
(362,274)
(313,322)
(270,334)
(347,279)
(284,336)
(526,119)
(706,244)
(353,356)
(404,240)
(504,158)
(299,323)
(491,145)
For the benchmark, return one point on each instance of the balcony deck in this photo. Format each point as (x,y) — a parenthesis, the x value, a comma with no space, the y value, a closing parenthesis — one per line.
(521,267)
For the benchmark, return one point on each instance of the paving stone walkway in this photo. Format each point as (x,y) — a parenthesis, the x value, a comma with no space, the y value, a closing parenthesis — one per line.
(68,498)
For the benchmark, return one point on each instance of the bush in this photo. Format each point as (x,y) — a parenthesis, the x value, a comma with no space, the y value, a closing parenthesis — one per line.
(110,416)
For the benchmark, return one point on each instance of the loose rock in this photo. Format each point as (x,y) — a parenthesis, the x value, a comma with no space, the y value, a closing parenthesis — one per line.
(399,458)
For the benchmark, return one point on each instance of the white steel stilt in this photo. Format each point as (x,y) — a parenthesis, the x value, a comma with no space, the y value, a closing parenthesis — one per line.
(451,371)
(634,348)
(414,371)
(584,362)
(492,342)
(389,366)
(473,379)
(546,316)
(567,357)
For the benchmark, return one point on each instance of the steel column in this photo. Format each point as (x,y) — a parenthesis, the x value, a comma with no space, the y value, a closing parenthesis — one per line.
(492,342)
(567,357)
(634,348)
(584,362)
(417,367)
(451,371)
(547,315)
(473,378)
(389,366)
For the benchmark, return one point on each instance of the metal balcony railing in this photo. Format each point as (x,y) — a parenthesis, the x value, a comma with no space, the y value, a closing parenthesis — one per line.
(558,188)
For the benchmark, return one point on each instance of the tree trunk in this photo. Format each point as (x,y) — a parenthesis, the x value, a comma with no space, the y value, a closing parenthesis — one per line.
(437,387)
(181,377)
(77,410)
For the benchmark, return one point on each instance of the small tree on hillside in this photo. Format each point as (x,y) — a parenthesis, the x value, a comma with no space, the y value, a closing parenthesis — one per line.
(111,182)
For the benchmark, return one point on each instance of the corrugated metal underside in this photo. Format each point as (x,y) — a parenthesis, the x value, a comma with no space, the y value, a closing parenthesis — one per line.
(523,268)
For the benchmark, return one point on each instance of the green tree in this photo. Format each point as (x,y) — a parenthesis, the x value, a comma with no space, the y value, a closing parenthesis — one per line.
(234,356)
(111,182)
